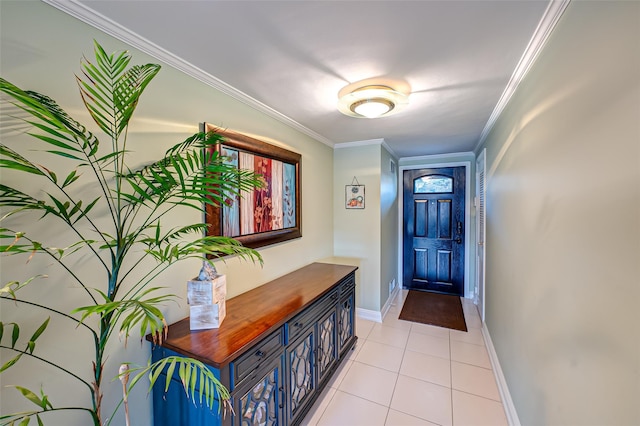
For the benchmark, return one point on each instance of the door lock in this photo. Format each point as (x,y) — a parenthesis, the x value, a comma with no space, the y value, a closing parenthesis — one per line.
(458,240)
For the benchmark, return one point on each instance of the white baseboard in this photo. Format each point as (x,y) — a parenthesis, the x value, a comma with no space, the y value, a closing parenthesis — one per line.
(368,314)
(505,396)
(376,316)
(390,300)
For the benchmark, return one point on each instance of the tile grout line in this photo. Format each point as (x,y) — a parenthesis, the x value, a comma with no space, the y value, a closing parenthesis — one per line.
(411,329)
(404,351)
(451,375)
(395,385)
(335,390)
(479,396)
(388,406)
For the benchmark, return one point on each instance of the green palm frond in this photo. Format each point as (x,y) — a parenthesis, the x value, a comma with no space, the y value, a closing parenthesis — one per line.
(11,287)
(65,136)
(192,173)
(172,246)
(136,312)
(19,243)
(199,382)
(13,198)
(69,211)
(110,91)
(41,401)
(15,336)
(24,418)
(218,247)
(9,159)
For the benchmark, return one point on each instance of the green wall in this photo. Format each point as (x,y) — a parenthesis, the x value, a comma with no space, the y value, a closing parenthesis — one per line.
(356,232)
(40,50)
(563,224)
(388,224)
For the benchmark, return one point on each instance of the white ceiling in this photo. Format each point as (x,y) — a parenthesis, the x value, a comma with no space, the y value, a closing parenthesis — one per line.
(290,58)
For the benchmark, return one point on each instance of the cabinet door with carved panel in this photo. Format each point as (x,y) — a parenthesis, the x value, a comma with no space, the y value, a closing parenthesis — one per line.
(346,321)
(300,372)
(260,402)
(327,347)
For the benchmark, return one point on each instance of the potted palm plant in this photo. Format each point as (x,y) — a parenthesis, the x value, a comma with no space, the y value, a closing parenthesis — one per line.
(118,221)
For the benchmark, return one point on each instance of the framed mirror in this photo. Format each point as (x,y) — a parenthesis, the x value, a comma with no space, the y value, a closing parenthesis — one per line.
(263,216)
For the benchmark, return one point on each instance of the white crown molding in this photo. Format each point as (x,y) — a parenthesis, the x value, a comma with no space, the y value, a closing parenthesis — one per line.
(341,145)
(411,160)
(379,141)
(551,16)
(108,26)
(388,148)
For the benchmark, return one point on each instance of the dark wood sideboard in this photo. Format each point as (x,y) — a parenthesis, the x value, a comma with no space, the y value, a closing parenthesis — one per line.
(275,350)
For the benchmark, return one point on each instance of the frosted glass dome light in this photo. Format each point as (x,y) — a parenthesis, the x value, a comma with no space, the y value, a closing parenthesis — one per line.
(372,101)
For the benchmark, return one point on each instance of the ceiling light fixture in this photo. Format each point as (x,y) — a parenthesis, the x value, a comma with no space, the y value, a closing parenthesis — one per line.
(372,101)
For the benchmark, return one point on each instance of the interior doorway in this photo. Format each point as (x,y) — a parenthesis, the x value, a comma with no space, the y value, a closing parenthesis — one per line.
(434,229)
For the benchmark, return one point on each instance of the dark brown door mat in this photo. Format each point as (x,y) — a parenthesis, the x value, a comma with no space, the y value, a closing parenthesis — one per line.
(441,310)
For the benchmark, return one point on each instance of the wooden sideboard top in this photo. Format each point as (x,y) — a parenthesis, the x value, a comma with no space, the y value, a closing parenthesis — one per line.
(254,313)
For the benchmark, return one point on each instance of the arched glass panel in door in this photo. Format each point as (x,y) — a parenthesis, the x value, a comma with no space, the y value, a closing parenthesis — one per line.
(433,184)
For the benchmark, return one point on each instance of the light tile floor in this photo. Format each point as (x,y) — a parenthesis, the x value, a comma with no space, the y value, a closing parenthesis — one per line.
(404,373)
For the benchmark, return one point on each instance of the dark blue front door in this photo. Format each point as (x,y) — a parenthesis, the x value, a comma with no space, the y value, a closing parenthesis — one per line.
(433,240)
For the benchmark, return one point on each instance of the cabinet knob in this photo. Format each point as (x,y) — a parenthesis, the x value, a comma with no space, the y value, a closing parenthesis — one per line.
(298,325)
(260,354)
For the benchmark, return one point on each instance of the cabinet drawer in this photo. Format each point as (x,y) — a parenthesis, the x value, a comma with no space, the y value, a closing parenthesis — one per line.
(298,324)
(251,360)
(347,284)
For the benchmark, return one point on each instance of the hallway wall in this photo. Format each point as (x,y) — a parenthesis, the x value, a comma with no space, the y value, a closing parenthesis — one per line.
(40,49)
(388,226)
(563,224)
(356,232)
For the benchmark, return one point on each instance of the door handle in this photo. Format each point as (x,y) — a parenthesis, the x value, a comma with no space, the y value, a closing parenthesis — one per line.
(458,240)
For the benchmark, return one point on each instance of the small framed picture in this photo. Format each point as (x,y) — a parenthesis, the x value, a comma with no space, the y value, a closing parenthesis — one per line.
(354,196)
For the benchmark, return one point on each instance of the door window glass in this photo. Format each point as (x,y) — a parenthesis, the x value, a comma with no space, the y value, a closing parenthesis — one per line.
(433,185)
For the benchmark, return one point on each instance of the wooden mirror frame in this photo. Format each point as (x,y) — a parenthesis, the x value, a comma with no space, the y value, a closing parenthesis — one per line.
(243,143)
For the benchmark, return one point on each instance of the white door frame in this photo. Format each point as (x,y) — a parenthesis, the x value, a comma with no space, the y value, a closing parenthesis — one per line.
(468,293)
